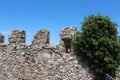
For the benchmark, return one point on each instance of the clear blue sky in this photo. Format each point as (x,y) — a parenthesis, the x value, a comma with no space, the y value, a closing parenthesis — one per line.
(32,15)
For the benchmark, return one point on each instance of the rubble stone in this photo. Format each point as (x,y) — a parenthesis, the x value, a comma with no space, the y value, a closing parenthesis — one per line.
(17,36)
(1,38)
(41,37)
(38,62)
(66,36)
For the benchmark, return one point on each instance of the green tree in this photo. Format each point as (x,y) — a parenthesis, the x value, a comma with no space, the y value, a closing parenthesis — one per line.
(98,45)
(119,38)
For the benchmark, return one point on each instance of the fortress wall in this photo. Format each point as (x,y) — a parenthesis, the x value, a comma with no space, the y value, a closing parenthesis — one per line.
(39,60)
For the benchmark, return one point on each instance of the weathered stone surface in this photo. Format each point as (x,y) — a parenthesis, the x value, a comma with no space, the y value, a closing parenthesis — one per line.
(17,36)
(41,37)
(1,38)
(39,62)
(66,36)
(68,33)
(24,62)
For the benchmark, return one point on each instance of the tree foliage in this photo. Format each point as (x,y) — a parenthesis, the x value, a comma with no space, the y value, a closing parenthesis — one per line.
(98,45)
(119,38)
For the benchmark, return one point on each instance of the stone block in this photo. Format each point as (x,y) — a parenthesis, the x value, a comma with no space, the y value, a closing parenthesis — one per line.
(41,37)
(1,38)
(66,37)
(17,36)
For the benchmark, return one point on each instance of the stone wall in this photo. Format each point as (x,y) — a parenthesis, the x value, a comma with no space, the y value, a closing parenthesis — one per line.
(39,60)
(1,38)
(41,37)
(17,36)
(66,37)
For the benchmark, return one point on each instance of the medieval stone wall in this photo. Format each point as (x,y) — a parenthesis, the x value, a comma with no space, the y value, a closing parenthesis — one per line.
(39,60)
(66,36)
(1,38)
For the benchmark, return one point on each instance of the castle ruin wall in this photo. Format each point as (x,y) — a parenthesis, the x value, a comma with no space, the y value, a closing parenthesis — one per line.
(39,60)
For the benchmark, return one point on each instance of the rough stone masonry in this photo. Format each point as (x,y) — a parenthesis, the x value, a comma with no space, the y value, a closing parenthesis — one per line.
(40,60)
